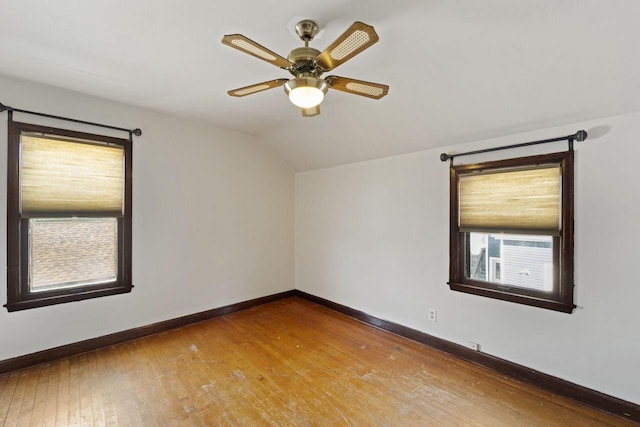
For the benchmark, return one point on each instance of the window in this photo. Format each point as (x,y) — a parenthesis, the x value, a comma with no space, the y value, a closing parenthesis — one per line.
(511,230)
(68,216)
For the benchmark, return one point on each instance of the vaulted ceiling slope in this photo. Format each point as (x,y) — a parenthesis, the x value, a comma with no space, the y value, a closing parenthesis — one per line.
(458,70)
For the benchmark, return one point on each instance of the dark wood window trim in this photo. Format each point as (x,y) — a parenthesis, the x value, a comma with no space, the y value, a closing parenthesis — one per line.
(561,299)
(19,296)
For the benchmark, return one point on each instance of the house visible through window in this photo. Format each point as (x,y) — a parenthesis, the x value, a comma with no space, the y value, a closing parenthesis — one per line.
(523,261)
(69,216)
(512,230)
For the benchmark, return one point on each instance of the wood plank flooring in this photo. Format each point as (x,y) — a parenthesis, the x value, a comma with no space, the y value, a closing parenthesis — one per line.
(286,363)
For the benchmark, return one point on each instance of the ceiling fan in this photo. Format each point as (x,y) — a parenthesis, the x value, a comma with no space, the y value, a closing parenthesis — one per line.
(307,89)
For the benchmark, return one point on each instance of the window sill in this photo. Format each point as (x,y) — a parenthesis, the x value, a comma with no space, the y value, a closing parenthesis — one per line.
(68,297)
(504,295)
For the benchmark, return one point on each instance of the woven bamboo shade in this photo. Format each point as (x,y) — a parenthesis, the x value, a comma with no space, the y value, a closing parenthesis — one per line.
(58,175)
(527,201)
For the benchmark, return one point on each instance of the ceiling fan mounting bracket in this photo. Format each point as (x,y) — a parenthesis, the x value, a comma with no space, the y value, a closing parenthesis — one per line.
(306,30)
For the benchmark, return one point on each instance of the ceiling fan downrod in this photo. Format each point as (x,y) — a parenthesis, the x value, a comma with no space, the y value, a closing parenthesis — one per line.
(303,59)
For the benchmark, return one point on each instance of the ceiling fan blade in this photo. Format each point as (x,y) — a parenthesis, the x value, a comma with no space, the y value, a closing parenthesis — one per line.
(258,87)
(358,87)
(357,38)
(240,42)
(310,112)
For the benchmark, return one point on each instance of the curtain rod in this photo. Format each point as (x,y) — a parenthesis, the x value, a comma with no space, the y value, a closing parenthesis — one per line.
(580,135)
(136,131)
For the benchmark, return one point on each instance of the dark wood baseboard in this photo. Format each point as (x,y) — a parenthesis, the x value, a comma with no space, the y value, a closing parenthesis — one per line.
(92,344)
(601,401)
(595,399)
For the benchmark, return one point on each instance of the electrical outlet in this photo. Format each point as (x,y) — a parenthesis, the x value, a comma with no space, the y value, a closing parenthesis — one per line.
(474,346)
(433,315)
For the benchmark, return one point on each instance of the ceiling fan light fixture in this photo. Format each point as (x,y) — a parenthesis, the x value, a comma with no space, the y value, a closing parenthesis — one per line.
(306,92)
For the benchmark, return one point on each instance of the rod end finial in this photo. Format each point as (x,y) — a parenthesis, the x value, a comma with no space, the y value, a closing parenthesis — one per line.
(137,131)
(581,135)
(444,157)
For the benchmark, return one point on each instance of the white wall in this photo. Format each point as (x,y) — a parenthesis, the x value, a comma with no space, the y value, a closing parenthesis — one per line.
(374,236)
(212,222)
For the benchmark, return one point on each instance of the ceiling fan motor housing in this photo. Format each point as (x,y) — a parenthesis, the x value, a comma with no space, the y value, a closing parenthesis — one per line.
(304,61)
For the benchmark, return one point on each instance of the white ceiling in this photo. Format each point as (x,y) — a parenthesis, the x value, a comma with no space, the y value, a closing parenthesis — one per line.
(458,70)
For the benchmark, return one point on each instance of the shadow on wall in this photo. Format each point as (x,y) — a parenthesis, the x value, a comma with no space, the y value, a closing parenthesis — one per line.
(598,131)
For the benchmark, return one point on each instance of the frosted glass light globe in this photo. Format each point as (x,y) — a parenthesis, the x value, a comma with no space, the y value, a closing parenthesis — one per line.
(306,96)
(306,91)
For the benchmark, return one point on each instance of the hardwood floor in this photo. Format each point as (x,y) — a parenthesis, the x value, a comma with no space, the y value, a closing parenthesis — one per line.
(286,363)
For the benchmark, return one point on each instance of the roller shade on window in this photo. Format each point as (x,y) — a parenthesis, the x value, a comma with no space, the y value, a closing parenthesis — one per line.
(69,176)
(511,200)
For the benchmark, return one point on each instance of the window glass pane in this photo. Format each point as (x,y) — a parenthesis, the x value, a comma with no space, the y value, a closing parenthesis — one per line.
(524,261)
(68,252)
